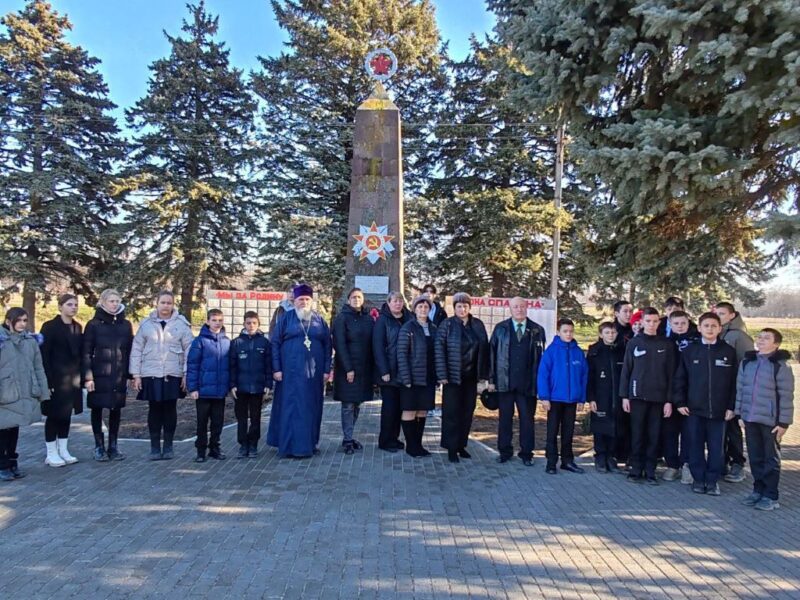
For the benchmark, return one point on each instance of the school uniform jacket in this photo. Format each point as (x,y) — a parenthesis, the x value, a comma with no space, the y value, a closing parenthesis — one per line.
(648,369)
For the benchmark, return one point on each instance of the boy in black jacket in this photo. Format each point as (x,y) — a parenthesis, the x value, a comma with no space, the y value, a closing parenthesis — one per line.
(705,393)
(646,389)
(251,376)
(602,392)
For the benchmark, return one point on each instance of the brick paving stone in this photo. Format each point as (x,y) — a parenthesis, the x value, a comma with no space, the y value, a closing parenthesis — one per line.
(379,525)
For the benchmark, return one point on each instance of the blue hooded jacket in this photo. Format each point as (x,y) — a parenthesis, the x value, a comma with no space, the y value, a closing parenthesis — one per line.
(563,373)
(208,364)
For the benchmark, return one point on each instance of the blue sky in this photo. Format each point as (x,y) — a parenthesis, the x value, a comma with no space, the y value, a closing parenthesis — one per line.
(127,35)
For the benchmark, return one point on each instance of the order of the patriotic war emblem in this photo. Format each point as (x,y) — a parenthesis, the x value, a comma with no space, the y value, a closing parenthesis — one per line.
(373,243)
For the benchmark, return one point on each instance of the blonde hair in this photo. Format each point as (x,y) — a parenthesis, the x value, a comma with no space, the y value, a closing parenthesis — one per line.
(106,294)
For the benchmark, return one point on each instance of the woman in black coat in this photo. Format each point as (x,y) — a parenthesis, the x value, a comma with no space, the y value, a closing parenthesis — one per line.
(106,351)
(416,372)
(61,356)
(462,359)
(352,376)
(392,317)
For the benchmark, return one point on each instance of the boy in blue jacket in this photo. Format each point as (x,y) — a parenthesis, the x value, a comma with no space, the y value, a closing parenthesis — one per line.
(561,384)
(208,382)
(251,376)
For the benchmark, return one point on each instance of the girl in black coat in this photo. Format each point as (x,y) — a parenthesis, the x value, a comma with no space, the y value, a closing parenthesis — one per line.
(602,392)
(417,373)
(61,356)
(462,359)
(352,376)
(392,317)
(106,352)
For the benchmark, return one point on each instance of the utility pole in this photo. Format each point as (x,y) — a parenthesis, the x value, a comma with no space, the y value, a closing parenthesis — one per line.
(557,202)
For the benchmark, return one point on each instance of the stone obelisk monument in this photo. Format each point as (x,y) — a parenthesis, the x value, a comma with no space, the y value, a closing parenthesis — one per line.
(375,230)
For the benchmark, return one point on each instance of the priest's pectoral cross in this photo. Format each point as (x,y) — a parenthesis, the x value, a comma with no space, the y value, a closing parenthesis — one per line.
(307,343)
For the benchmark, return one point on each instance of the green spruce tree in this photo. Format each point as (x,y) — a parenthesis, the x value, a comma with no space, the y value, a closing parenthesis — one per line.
(59,144)
(310,94)
(684,117)
(195,214)
(485,223)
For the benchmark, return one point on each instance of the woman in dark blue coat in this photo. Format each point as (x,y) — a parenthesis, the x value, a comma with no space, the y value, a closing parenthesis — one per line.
(352,377)
(106,352)
(417,373)
(392,317)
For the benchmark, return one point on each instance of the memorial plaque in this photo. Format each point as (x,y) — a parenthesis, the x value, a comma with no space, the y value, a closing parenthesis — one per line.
(372,284)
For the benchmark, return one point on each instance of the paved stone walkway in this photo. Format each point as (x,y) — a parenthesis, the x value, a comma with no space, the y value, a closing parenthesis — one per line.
(376,525)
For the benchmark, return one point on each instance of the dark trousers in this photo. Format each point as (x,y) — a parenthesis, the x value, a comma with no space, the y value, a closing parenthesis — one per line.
(560,418)
(162,415)
(622,450)
(114,419)
(706,433)
(734,442)
(391,412)
(674,440)
(55,428)
(526,408)
(212,409)
(458,407)
(765,458)
(604,447)
(8,447)
(247,407)
(646,420)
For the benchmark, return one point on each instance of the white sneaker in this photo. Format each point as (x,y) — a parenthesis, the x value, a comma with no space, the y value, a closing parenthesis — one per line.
(61,444)
(670,474)
(53,459)
(686,475)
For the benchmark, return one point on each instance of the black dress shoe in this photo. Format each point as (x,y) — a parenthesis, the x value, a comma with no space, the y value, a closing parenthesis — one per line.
(391,449)
(357,445)
(528,462)
(502,459)
(551,470)
(572,468)
(399,445)
(216,454)
(452,456)
(464,454)
(349,449)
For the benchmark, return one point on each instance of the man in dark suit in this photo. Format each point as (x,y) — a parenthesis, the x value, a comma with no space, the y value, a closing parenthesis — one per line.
(516,348)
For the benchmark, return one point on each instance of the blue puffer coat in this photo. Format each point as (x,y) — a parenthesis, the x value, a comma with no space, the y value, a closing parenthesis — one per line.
(208,364)
(563,373)
(251,363)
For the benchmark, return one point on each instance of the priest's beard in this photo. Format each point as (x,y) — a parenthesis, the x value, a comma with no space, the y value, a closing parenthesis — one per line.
(304,314)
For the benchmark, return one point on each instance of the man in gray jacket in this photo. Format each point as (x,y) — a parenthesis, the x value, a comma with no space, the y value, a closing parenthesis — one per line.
(765,402)
(734,333)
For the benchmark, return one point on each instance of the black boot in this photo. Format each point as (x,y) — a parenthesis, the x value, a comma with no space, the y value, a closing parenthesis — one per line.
(452,456)
(100,447)
(113,452)
(167,452)
(155,448)
(420,432)
(410,432)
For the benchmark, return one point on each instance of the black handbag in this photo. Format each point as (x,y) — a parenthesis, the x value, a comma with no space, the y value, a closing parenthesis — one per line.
(490,400)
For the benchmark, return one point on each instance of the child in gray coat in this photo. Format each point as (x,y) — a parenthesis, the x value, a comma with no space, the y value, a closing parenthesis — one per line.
(765,402)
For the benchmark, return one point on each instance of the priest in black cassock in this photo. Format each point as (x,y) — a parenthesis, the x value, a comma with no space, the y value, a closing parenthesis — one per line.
(301,364)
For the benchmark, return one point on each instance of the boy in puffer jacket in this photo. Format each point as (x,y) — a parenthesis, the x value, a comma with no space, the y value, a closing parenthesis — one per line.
(208,382)
(561,384)
(765,402)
